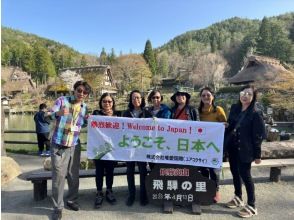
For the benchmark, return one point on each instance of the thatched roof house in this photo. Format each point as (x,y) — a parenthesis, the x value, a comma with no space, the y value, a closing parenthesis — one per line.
(258,68)
(183,78)
(18,82)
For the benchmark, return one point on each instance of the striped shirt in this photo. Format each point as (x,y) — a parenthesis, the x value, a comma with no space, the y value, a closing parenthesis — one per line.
(67,128)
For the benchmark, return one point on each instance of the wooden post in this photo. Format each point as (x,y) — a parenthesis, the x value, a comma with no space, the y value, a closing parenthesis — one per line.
(40,189)
(3,151)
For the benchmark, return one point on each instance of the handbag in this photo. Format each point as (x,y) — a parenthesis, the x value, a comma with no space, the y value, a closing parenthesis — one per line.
(229,136)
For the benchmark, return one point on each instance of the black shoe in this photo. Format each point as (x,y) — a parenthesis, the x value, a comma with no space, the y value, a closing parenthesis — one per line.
(130,201)
(98,200)
(143,201)
(57,214)
(110,197)
(73,206)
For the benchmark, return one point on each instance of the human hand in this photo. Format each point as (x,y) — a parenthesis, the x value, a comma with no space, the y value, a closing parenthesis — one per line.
(257,161)
(226,124)
(63,111)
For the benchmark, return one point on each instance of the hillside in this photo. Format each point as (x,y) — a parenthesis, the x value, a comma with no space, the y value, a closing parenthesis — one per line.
(37,55)
(234,39)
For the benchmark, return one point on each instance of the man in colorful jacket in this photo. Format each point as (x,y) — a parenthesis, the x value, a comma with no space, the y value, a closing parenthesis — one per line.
(70,113)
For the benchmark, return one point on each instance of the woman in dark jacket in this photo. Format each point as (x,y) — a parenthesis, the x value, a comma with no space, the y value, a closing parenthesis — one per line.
(247,127)
(157,109)
(107,108)
(182,110)
(136,110)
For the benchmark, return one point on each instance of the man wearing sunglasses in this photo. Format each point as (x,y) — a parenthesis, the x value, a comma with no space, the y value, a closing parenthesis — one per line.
(70,113)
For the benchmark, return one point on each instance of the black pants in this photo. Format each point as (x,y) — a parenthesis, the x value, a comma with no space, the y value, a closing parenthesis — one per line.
(43,138)
(242,171)
(211,173)
(131,178)
(108,166)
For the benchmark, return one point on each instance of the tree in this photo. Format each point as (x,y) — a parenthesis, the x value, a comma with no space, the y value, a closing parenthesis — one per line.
(208,70)
(111,57)
(44,66)
(132,72)
(5,56)
(83,61)
(213,44)
(163,67)
(149,57)
(273,41)
(103,57)
(264,39)
(28,63)
(291,35)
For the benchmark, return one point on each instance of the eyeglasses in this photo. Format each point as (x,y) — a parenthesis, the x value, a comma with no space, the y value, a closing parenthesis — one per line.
(206,95)
(156,97)
(80,91)
(246,93)
(106,101)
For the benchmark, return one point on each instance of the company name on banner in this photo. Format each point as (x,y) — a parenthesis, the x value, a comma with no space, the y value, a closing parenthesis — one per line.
(155,140)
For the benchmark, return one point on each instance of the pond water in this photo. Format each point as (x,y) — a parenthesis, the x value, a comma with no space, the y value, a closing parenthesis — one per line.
(25,122)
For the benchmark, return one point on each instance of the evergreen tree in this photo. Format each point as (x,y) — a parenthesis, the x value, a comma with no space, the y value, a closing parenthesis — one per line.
(44,66)
(213,44)
(5,56)
(149,57)
(273,41)
(111,57)
(264,39)
(292,32)
(28,63)
(103,57)
(163,64)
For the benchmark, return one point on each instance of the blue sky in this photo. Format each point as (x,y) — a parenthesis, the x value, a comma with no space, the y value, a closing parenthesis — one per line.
(125,25)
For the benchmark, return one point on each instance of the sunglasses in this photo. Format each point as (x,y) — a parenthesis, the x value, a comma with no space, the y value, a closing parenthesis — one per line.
(80,91)
(136,98)
(156,97)
(107,101)
(246,93)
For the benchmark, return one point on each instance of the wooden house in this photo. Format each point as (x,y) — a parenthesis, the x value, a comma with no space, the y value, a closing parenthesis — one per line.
(99,78)
(258,69)
(18,82)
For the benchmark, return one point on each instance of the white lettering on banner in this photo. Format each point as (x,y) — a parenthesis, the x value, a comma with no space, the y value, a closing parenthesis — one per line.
(158,184)
(156,140)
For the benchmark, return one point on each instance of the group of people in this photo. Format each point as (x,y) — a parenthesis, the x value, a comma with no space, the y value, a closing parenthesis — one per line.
(244,126)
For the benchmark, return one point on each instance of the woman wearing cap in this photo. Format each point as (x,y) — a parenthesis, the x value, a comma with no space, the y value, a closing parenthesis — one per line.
(107,108)
(208,111)
(247,128)
(182,110)
(136,110)
(157,109)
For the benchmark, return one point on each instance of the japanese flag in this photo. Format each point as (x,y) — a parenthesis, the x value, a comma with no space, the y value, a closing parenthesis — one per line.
(200,130)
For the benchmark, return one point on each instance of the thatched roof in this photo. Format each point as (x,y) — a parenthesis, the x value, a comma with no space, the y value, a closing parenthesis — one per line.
(18,86)
(258,68)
